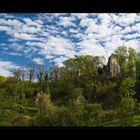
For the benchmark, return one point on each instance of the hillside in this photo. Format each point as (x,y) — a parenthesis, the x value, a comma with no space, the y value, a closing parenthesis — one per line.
(83,92)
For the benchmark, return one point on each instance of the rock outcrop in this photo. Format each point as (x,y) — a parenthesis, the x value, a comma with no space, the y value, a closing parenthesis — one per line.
(113,66)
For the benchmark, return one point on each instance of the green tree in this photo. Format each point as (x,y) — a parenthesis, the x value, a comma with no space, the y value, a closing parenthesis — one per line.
(46,109)
(127,100)
(131,65)
(94,114)
(122,59)
(138,77)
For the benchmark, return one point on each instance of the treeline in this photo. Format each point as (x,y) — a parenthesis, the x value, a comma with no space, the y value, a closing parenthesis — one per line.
(81,93)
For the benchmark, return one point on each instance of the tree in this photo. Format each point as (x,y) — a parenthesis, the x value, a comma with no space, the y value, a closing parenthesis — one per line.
(127,61)
(85,67)
(18,74)
(127,100)
(122,59)
(40,73)
(72,70)
(46,109)
(76,96)
(2,79)
(138,77)
(82,72)
(89,66)
(80,93)
(31,73)
(18,84)
(131,65)
(76,106)
(138,68)
(93,114)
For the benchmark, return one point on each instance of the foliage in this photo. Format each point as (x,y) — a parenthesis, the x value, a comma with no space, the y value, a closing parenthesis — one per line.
(80,93)
(127,100)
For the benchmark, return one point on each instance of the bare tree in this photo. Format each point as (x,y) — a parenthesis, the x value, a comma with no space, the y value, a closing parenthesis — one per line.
(18,74)
(42,74)
(31,73)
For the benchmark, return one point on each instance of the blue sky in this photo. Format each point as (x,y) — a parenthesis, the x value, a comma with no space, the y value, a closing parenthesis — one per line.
(46,38)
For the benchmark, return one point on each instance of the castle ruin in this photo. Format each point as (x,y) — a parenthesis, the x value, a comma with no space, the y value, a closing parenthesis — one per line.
(113,67)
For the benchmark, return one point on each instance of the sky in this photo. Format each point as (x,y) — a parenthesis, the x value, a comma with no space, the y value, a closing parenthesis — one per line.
(46,38)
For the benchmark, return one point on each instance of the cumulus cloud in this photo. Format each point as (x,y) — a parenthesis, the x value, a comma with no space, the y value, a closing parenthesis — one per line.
(55,46)
(5,67)
(11,22)
(18,29)
(66,21)
(24,36)
(59,61)
(30,22)
(91,47)
(73,31)
(30,29)
(38,61)
(5,28)
(133,43)
(80,15)
(59,36)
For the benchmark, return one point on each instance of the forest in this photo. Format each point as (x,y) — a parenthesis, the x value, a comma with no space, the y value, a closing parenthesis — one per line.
(83,92)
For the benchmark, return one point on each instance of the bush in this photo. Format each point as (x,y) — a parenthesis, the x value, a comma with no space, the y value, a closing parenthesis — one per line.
(22,121)
(94,114)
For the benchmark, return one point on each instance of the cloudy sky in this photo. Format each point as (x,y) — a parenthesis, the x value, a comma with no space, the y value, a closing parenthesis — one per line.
(46,38)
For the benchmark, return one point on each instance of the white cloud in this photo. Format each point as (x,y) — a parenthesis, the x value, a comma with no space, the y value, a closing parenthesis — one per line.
(66,21)
(80,15)
(5,28)
(133,43)
(15,53)
(55,46)
(105,18)
(60,46)
(5,67)
(24,36)
(30,22)
(85,34)
(59,61)
(87,22)
(39,44)
(30,29)
(16,46)
(4,15)
(11,22)
(132,36)
(73,31)
(38,61)
(114,42)
(108,32)
(58,14)
(16,28)
(90,47)
(124,19)
(49,56)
